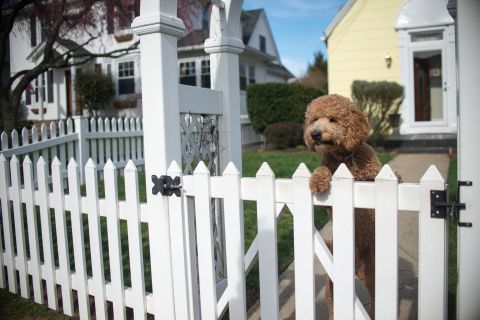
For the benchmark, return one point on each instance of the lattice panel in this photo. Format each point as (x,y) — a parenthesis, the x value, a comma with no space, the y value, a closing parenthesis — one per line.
(199,141)
(199,137)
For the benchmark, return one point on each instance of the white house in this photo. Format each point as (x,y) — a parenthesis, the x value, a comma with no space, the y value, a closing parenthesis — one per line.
(260,62)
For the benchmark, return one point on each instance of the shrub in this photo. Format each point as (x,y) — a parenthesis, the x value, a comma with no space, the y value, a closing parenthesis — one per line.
(269,103)
(284,134)
(378,100)
(94,89)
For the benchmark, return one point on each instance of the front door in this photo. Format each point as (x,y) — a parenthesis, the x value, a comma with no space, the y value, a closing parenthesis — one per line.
(428,86)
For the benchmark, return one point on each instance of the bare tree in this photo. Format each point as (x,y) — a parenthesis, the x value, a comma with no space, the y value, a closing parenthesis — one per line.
(60,19)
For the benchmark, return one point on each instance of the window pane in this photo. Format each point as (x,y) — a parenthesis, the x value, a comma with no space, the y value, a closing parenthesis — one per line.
(263,44)
(243,83)
(126,86)
(206,81)
(427,71)
(426,36)
(189,80)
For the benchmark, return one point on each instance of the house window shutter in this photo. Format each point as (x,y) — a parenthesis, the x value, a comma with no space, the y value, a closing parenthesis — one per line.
(33,31)
(110,17)
(136,4)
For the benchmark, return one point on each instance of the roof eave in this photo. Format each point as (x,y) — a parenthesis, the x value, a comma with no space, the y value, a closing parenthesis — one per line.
(338,17)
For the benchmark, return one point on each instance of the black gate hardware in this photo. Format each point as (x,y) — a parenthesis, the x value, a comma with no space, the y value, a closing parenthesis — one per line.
(439,205)
(166,185)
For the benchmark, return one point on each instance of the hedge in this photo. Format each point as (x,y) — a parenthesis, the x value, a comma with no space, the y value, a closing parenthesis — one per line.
(269,103)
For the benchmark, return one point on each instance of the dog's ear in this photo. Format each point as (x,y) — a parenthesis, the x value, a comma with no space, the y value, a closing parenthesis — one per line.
(308,115)
(356,128)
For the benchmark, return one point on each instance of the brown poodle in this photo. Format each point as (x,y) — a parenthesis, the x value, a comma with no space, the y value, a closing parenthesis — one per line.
(337,129)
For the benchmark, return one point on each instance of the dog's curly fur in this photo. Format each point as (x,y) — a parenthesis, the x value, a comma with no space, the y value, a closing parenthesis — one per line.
(337,129)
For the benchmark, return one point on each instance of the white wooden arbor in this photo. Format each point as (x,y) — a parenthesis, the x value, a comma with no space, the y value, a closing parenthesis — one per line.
(159,29)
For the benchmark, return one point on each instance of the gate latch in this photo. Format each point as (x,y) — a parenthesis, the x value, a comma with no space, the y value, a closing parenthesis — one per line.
(166,185)
(439,205)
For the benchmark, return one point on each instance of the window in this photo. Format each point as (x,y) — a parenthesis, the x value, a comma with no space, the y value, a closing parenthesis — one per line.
(188,74)
(205,74)
(43,30)
(426,36)
(126,77)
(33,90)
(251,74)
(263,44)
(243,75)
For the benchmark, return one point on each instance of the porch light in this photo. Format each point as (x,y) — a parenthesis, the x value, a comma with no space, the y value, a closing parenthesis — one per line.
(388,60)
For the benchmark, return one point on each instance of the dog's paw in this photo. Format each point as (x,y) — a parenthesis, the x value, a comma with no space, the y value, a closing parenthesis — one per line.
(320,179)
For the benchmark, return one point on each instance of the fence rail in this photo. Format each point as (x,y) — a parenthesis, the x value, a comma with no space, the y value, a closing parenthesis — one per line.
(30,250)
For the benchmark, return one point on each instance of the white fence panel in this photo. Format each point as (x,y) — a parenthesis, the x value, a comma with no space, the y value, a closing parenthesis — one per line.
(303,245)
(343,244)
(432,252)
(21,263)
(47,239)
(135,247)
(205,243)
(78,239)
(114,245)
(267,239)
(386,244)
(94,231)
(62,240)
(32,223)
(234,242)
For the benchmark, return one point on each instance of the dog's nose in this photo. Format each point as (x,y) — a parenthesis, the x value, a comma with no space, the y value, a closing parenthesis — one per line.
(316,135)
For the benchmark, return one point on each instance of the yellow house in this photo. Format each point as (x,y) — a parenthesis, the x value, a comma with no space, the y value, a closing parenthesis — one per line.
(411,42)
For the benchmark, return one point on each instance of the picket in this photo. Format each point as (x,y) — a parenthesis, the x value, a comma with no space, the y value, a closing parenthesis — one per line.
(93,142)
(121,142)
(94,231)
(108,150)
(133,140)
(114,244)
(4,138)
(46,227)
(343,244)
(303,245)
(78,239)
(135,247)
(16,198)
(101,143)
(267,247)
(234,243)
(177,235)
(432,253)
(126,128)
(62,239)
(70,145)
(53,135)
(61,133)
(139,127)
(114,141)
(7,224)
(386,244)
(205,243)
(44,133)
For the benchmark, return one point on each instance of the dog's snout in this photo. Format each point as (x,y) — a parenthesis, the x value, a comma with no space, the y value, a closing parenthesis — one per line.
(316,135)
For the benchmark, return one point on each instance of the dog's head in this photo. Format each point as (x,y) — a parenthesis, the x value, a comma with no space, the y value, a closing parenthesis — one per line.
(334,124)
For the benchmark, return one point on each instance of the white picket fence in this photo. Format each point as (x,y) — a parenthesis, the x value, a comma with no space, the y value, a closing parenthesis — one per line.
(50,213)
(118,139)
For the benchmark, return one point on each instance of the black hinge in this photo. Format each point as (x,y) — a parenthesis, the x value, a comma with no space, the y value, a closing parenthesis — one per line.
(439,205)
(166,185)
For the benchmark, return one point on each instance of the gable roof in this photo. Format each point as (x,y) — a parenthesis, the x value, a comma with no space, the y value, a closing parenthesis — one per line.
(248,20)
(63,45)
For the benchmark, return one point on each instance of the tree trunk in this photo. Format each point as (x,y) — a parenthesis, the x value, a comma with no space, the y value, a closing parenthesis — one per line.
(8,113)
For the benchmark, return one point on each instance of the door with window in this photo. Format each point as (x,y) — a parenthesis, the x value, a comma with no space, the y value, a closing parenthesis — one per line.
(429,86)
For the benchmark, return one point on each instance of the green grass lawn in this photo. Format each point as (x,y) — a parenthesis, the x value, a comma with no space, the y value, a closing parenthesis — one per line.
(283,165)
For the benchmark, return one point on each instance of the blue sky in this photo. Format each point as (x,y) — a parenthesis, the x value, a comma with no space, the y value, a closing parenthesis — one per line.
(297,26)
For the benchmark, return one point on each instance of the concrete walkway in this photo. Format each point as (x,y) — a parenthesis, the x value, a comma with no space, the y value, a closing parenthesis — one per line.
(411,167)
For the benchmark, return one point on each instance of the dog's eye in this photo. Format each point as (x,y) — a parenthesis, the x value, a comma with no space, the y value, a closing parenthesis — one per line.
(333,119)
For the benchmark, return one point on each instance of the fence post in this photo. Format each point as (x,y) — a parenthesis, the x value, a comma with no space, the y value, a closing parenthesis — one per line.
(159,29)
(224,46)
(81,127)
